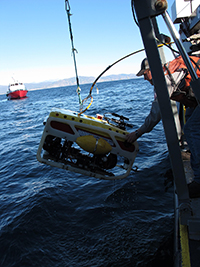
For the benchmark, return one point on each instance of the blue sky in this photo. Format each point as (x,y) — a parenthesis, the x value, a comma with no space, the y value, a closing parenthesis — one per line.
(35,44)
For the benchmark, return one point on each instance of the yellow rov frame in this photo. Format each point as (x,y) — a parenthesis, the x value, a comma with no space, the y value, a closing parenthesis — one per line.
(87,145)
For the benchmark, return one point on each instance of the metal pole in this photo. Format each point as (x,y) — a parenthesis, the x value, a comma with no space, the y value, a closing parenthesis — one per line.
(179,45)
(148,36)
(195,83)
(163,60)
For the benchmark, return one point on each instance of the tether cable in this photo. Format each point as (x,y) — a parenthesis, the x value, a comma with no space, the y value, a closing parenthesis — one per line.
(110,66)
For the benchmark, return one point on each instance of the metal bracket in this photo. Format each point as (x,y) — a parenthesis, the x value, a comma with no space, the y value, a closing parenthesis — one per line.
(146,8)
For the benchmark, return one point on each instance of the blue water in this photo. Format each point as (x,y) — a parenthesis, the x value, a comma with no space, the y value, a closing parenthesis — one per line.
(52,217)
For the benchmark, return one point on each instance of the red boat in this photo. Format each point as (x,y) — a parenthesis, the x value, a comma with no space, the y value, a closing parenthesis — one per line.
(16,90)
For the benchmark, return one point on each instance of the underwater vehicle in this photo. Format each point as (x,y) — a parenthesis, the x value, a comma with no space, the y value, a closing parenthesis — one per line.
(92,146)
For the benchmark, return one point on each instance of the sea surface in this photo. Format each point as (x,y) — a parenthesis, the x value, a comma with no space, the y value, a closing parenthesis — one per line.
(52,217)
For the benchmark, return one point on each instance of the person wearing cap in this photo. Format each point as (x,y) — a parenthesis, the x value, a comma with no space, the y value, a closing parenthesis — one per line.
(154,116)
(191,131)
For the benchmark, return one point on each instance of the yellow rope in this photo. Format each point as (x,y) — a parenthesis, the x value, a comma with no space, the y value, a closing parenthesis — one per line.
(184,241)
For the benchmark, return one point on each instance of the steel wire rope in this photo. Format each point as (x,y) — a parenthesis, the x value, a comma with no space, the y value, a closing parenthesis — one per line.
(78,90)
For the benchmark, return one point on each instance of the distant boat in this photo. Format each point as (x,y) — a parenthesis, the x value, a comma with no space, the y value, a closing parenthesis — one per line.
(16,90)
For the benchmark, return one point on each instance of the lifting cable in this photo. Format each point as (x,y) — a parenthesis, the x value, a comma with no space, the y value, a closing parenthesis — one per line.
(67,7)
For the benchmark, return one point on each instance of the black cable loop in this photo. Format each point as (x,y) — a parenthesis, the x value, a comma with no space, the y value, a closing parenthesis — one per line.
(133,11)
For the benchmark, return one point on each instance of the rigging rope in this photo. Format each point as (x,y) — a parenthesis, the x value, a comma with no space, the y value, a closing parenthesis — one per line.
(67,7)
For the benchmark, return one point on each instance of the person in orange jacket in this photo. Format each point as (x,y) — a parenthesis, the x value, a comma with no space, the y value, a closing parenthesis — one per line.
(191,131)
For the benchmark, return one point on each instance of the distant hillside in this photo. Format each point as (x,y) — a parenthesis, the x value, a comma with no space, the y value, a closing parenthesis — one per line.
(71,81)
(82,80)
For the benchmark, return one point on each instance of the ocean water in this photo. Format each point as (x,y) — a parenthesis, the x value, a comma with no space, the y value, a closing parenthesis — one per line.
(52,217)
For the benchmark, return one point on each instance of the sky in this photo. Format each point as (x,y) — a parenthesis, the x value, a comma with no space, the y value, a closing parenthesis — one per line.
(35,44)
